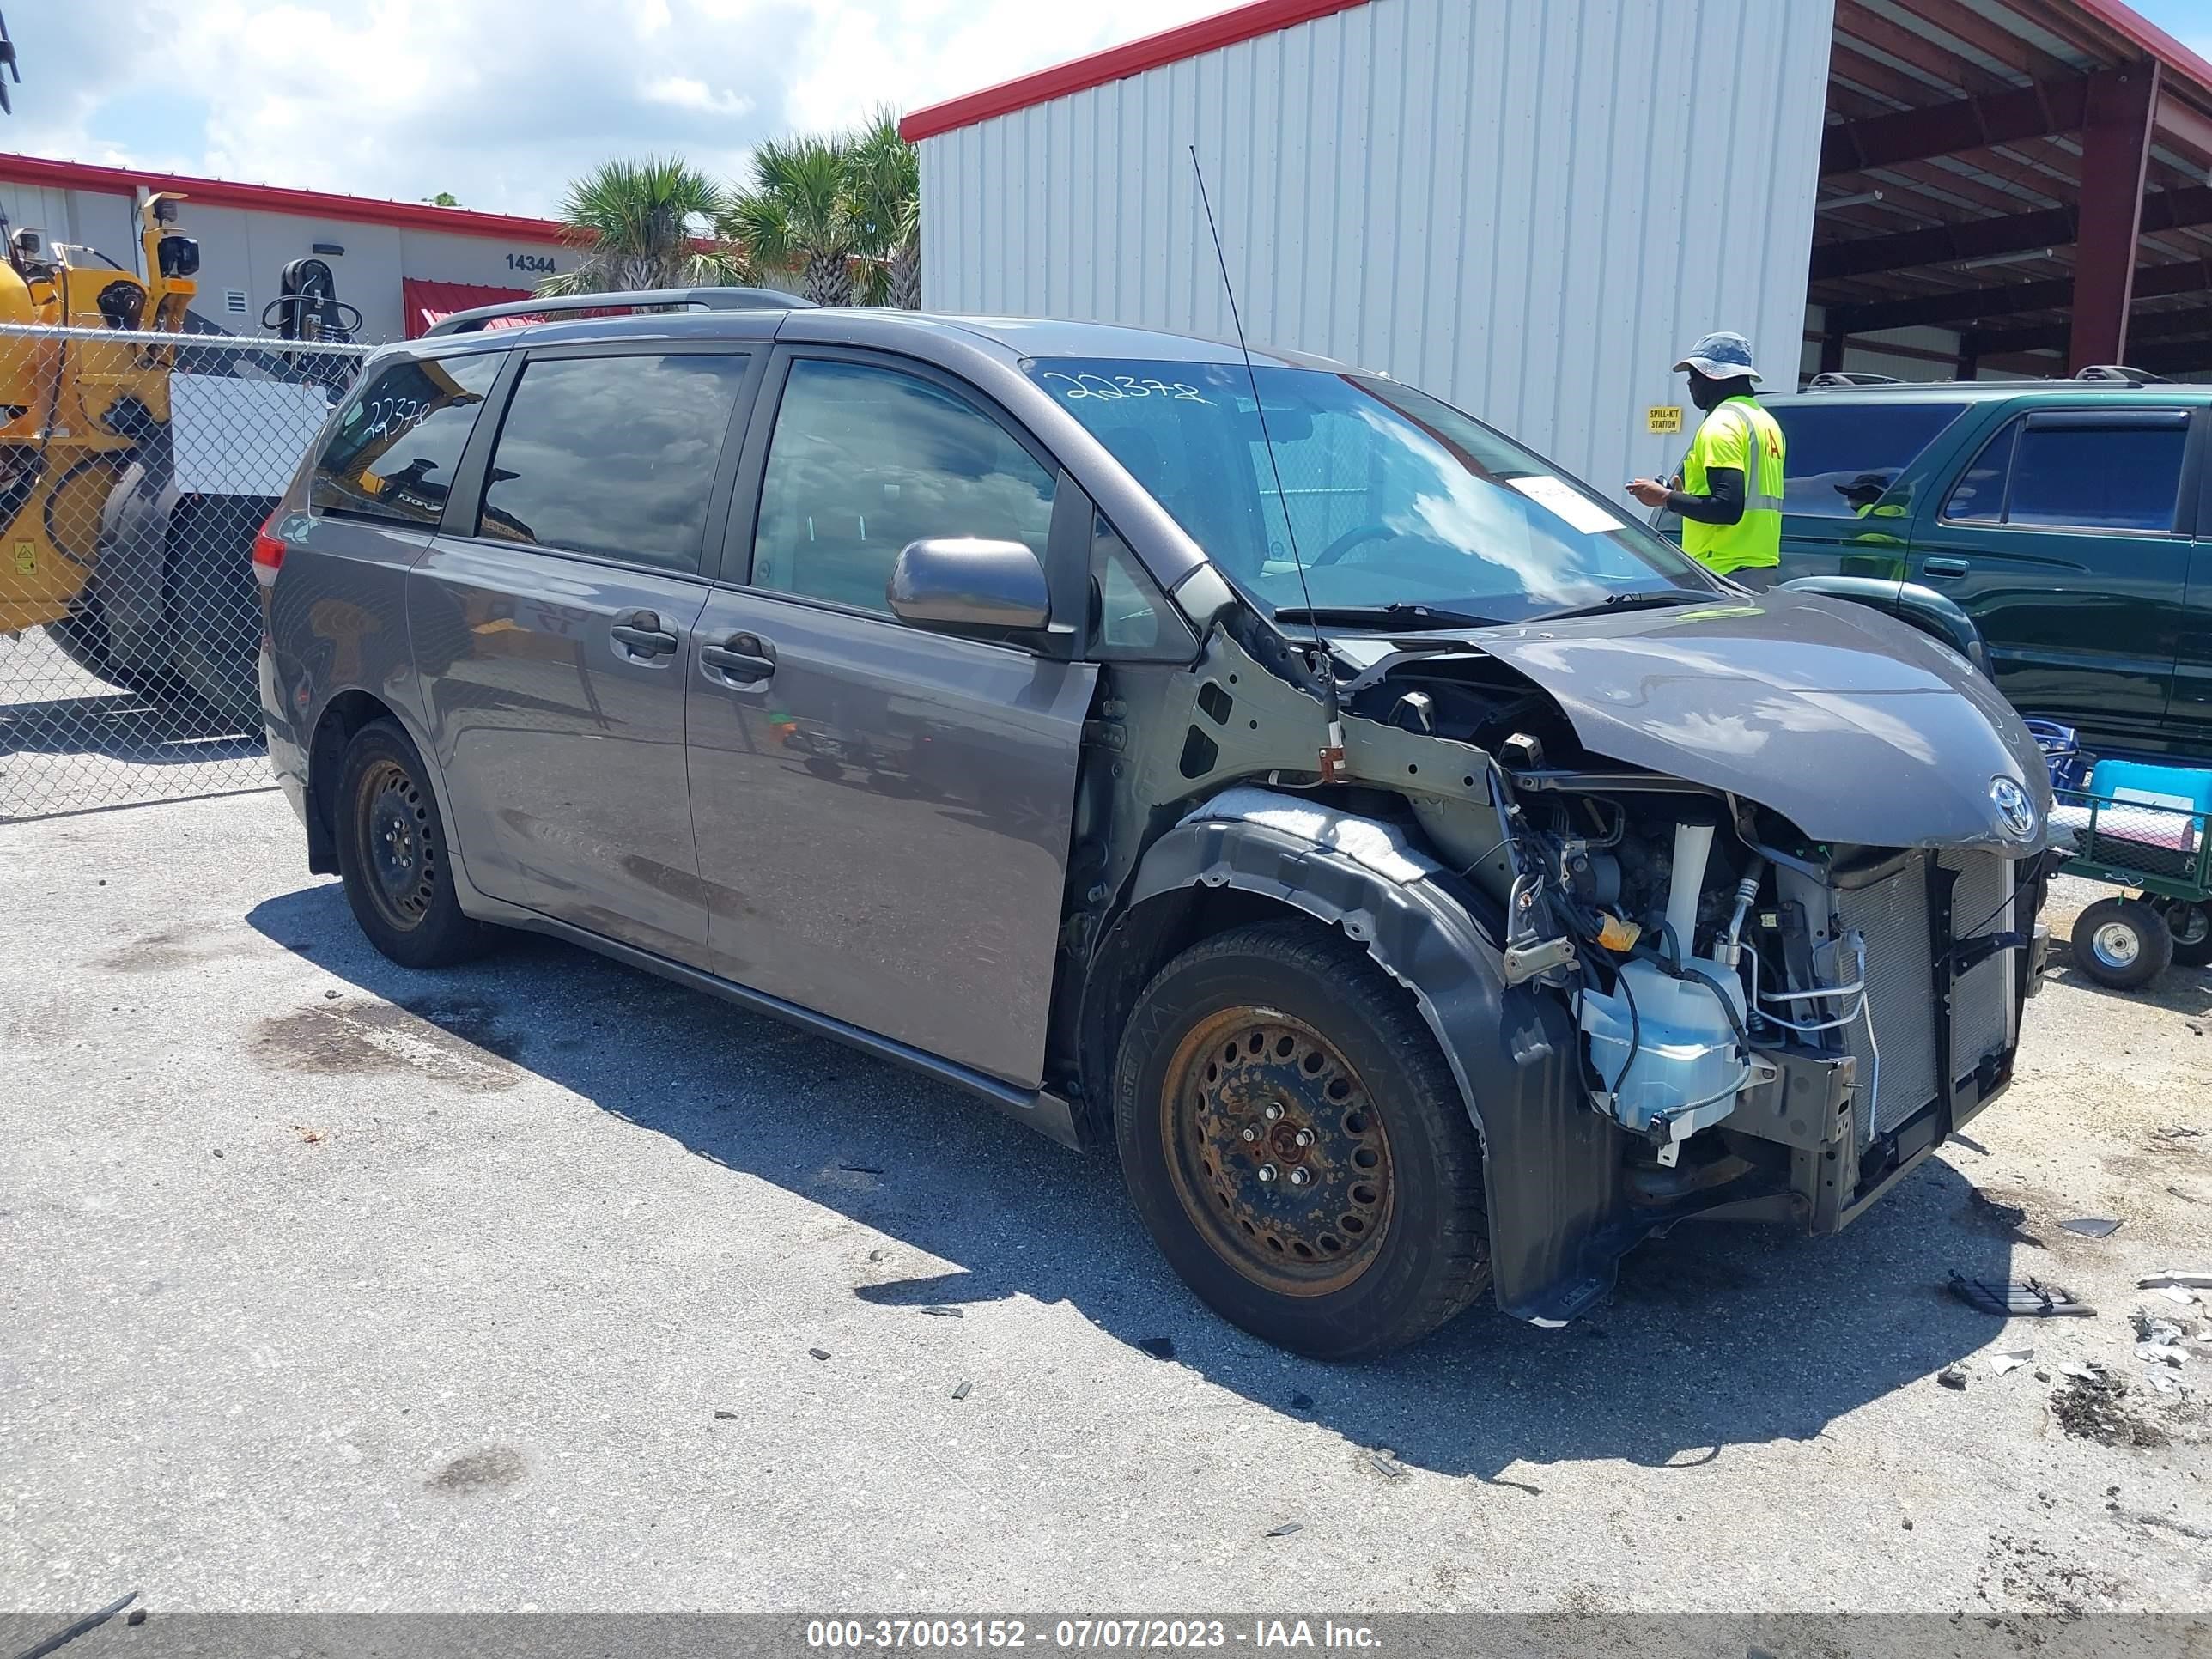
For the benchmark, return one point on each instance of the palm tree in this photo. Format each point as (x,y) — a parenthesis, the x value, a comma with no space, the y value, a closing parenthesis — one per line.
(887,191)
(633,224)
(800,215)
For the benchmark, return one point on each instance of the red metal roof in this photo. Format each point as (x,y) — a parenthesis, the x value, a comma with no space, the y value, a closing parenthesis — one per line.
(425,302)
(273,198)
(1249,21)
(2151,38)
(1246,23)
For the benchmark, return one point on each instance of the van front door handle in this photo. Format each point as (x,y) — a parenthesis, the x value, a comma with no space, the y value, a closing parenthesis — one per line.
(1943,570)
(744,658)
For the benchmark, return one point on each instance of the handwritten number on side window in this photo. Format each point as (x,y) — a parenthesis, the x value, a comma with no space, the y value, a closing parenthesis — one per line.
(392,418)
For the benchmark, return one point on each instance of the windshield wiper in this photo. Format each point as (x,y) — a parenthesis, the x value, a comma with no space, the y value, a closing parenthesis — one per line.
(1629,602)
(1397,614)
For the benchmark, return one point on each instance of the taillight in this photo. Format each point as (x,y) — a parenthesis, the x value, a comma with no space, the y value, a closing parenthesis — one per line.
(268,553)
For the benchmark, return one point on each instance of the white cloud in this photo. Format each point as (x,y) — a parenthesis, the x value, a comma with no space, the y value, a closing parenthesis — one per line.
(503,101)
(685,93)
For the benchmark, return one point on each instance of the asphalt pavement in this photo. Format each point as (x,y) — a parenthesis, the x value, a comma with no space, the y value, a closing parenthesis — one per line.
(541,1284)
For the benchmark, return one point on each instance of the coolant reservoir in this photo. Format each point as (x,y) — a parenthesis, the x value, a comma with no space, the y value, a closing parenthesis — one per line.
(1688,1063)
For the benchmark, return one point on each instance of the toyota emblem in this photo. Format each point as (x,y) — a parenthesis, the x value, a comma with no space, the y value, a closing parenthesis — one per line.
(2015,811)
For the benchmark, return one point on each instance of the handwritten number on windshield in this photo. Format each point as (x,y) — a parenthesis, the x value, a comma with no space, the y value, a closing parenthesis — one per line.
(1074,386)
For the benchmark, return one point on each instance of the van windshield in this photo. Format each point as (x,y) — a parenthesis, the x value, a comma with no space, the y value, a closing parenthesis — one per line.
(1393,497)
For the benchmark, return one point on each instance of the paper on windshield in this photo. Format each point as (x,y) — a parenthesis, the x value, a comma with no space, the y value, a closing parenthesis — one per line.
(1557,496)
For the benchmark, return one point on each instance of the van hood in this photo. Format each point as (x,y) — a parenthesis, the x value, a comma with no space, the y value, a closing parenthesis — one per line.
(1856,727)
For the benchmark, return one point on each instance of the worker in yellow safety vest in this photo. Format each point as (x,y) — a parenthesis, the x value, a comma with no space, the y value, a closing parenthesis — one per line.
(1729,492)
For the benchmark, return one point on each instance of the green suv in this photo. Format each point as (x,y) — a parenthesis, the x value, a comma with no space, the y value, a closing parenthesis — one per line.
(2065,517)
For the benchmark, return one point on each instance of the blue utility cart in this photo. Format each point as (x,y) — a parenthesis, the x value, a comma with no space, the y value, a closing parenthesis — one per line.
(2143,827)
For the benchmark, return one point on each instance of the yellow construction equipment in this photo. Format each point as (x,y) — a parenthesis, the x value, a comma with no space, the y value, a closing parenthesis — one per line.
(77,408)
(139,453)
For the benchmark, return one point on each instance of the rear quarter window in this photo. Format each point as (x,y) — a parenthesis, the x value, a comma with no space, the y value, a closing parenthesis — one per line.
(392,453)
(1843,456)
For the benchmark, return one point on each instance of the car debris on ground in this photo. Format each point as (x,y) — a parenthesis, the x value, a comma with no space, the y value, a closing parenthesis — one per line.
(2092,1226)
(2093,1405)
(2018,1298)
(2173,1280)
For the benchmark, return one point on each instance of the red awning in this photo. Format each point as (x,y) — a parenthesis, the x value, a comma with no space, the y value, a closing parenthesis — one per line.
(426,303)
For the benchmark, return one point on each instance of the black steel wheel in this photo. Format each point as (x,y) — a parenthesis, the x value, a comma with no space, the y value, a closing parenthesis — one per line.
(1296,1145)
(2191,924)
(393,855)
(2123,943)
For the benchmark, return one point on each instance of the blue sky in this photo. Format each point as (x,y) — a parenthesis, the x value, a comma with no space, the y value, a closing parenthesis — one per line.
(2188,21)
(501,101)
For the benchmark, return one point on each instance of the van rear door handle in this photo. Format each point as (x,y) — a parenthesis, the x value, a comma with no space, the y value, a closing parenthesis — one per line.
(642,636)
(746,658)
(1944,570)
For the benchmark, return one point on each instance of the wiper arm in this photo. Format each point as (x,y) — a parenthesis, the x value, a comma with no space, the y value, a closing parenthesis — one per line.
(1670,596)
(1397,614)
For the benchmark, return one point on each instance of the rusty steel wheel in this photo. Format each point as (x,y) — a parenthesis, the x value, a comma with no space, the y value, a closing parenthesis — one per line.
(1276,1151)
(1296,1144)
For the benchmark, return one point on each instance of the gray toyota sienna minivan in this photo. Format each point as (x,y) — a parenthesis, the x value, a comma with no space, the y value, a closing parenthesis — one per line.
(1431,879)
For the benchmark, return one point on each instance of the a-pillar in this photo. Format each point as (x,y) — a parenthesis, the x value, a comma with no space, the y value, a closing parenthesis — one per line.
(2115,135)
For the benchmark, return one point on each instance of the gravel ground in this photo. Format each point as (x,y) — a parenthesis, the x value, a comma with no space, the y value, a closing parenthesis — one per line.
(331,1286)
(69,742)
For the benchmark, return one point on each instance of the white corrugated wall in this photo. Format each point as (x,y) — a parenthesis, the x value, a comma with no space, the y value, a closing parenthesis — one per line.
(1521,205)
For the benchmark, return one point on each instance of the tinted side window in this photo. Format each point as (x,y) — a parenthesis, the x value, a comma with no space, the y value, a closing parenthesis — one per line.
(2110,476)
(1978,497)
(613,456)
(393,451)
(2114,477)
(1842,455)
(865,460)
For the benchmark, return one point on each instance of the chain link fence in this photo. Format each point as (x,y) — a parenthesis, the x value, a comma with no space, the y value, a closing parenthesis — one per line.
(135,469)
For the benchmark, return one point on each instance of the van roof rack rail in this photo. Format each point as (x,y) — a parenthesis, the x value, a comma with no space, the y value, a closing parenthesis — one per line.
(1836,377)
(697,299)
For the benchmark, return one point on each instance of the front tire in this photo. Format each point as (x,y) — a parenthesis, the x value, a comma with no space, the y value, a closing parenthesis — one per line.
(2122,943)
(392,854)
(1296,1145)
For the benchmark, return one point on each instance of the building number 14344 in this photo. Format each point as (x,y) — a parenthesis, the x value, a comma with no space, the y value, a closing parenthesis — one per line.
(541,264)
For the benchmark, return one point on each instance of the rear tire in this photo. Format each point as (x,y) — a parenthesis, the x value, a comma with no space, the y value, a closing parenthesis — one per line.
(2191,924)
(1371,1231)
(215,605)
(2122,943)
(392,854)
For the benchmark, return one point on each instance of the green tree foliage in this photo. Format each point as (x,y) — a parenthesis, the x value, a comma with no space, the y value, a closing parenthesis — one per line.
(644,225)
(886,174)
(799,215)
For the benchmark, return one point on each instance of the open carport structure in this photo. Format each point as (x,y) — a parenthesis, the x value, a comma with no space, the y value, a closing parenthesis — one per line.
(2012,185)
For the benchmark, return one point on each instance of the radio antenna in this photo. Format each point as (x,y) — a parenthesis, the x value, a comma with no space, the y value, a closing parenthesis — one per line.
(1319,662)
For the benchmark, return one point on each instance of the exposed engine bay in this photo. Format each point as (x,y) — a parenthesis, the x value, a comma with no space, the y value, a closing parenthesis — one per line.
(1733,980)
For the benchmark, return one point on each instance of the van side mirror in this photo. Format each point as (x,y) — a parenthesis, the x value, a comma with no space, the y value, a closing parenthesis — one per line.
(970,586)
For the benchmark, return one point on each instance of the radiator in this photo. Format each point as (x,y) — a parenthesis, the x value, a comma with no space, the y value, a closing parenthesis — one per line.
(1982,1004)
(1900,970)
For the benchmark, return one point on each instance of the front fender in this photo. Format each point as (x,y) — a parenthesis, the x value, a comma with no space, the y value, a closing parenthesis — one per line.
(1551,1164)
(1936,615)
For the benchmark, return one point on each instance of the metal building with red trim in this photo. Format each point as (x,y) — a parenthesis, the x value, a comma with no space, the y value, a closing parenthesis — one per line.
(402,264)
(1531,206)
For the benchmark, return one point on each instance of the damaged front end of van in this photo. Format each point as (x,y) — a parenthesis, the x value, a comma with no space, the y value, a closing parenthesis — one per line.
(1718,905)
